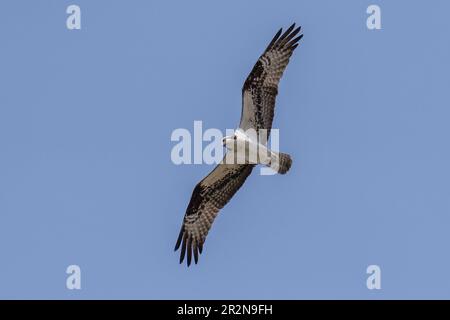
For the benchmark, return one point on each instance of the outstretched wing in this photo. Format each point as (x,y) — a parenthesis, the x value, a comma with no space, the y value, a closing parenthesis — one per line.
(261,86)
(209,196)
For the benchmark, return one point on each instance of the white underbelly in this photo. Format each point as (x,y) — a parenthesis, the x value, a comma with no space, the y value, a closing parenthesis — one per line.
(252,153)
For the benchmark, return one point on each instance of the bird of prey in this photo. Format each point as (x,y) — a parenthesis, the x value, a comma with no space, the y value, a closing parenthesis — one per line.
(258,103)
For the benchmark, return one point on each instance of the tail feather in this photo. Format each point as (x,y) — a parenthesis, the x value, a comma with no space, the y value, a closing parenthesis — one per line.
(282,163)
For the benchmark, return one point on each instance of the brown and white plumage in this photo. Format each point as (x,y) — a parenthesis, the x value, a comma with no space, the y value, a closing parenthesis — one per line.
(261,86)
(209,196)
(219,186)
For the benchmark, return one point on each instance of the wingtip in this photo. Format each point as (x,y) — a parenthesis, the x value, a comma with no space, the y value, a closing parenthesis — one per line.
(177,246)
(291,27)
(294,42)
(274,39)
(189,251)
(180,237)
(287,36)
(196,254)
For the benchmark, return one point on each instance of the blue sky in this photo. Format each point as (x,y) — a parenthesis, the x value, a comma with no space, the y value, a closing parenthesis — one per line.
(85,171)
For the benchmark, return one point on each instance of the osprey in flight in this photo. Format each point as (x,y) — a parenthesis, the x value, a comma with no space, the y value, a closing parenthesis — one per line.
(258,104)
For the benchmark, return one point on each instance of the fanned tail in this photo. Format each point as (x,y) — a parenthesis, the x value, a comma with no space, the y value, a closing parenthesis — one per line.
(281,162)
